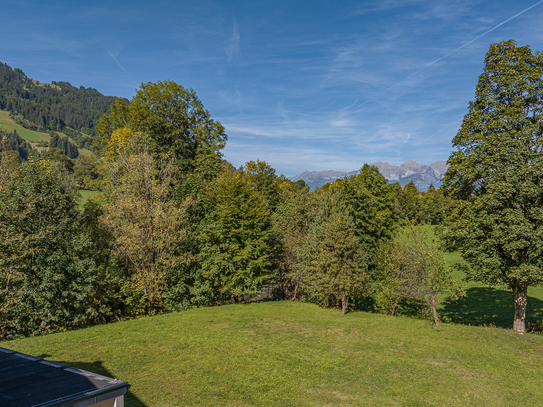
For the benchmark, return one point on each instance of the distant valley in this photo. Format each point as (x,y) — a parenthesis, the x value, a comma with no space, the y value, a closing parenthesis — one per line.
(422,175)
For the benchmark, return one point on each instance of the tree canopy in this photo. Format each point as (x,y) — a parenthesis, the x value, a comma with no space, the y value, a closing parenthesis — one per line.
(173,117)
(337,261)
(497,173)
(47,276)
(236,251)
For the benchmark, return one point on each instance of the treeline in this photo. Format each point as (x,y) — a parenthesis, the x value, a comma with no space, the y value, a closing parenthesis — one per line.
(52,107)
(24,150)
(67,148)
(12,142)
(172,226)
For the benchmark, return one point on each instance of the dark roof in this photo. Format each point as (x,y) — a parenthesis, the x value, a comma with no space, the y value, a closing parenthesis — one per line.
(26,381)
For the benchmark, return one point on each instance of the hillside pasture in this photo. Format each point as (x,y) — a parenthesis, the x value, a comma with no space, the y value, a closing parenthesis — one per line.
(7,124)
(5,117)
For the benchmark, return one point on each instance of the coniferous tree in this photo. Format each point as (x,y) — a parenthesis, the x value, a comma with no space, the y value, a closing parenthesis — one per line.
(235,236)
(292,219)
(337,265)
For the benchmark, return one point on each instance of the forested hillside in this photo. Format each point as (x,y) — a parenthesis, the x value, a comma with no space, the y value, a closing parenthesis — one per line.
(12,142)
(52,107)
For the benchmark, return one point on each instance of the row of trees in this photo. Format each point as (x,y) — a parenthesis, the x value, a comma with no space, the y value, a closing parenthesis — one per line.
(13,142)
(175,226)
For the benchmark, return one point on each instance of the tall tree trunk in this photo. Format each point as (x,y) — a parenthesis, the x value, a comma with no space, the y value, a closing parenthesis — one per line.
(434,311)
(343,305)
(520,298)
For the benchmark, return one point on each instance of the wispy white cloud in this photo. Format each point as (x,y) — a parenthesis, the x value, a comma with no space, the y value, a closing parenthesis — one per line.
(466,44)
(326,87)
(375,6)
(231,46)
(32,42)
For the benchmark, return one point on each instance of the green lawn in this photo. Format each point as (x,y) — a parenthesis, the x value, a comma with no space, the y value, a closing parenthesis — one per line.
(485,305)
(298,354)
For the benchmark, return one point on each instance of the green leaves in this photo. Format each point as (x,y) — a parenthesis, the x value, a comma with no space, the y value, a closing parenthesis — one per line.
(502,131)
(412,267)
(142,216)
(337,262)
(46,276)
(498,172)
(236,252)
(172,116)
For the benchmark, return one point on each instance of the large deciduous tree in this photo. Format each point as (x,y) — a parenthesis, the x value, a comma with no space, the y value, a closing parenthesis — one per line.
(141,214)
(172,116)
(263,178)
(46,275)
(497,173)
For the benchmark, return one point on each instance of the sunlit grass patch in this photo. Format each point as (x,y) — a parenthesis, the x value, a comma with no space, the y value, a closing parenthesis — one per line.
(287,354)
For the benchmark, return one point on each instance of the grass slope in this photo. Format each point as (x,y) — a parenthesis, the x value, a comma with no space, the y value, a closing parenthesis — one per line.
(297,354)
(7,124)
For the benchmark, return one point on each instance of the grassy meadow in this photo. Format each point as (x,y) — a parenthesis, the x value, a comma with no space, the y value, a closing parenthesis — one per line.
(7,124)
(492,306)
(282,353)
(298,354)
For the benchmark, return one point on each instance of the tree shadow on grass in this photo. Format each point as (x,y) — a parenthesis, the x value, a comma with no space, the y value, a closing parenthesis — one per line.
(489,306)
(130,400)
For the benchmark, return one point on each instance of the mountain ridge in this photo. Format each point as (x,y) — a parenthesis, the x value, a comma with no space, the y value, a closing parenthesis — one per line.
(422,175)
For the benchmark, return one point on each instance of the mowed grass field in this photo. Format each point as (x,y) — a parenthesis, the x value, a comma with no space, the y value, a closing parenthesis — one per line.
(298,354)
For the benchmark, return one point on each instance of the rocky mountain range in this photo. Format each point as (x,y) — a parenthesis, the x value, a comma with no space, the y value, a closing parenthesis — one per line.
(421,175)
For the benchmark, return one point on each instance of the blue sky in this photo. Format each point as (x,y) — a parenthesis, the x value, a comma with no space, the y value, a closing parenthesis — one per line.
(303,85)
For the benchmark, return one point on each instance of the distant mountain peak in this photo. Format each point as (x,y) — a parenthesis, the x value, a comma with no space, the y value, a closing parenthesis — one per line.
(422,175)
